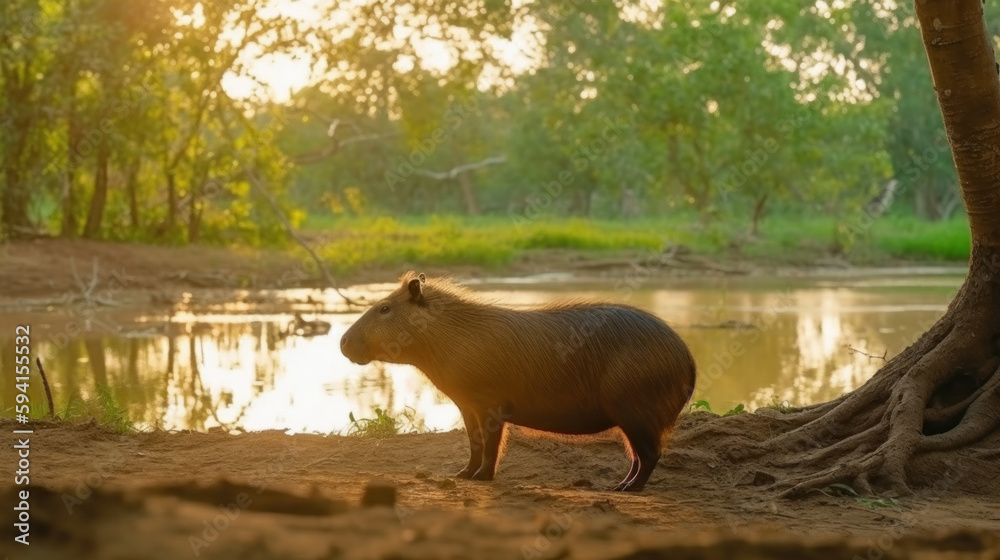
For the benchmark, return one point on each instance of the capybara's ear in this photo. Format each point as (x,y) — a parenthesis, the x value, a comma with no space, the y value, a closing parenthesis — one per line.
(416,290)
(422,277)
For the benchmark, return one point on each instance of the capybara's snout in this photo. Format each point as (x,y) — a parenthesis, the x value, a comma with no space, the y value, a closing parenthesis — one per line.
(353,348)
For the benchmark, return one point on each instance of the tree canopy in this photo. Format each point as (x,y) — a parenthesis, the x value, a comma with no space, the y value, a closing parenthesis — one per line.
(125,120)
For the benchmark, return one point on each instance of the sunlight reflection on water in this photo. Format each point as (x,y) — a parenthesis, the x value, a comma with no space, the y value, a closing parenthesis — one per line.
(233,366)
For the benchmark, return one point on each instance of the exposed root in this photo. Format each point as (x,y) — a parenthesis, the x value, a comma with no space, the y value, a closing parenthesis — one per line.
(981,419)
(844,471)
(855,443)
(951,413)
(871,435)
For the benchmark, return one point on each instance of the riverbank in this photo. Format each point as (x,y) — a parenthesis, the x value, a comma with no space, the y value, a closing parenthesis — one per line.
(48,272)
(98,494)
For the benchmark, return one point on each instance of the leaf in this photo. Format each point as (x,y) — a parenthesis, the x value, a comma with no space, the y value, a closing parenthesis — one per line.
(738,409)
(703,404)
(843,489)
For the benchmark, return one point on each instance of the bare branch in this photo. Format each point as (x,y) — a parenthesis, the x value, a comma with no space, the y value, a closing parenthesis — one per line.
(335,145)
(257,184)
(870,356)
(87,288)
(451,174)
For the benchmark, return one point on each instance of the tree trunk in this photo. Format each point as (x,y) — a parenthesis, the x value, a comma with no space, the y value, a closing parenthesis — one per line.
(171,222)
(194,214)
(942,393)
(17,156)
(468,194)
(96,215)
(131,188)
(74,134)
(758,213)
(14,202)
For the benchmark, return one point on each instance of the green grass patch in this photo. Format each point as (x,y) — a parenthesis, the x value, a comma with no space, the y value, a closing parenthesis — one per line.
(488,242)
(907,237)
(491,242)
(383,425)
(111,414)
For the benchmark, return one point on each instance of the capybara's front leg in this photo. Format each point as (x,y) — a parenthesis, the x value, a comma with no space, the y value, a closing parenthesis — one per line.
(473,429)
(492,432)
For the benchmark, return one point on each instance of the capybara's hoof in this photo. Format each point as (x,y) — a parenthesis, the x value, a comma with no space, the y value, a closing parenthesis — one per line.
(482,474)
(465,473)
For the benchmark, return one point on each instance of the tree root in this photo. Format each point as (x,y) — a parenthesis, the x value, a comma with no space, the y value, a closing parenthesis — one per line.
(868,438)
(981,419)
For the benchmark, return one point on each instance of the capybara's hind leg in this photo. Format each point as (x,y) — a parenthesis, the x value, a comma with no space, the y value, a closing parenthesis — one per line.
(473,429)
(646,449)
(492,436)
(631,471)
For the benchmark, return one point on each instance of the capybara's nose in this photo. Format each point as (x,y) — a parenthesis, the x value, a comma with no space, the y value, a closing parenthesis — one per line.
(343,342)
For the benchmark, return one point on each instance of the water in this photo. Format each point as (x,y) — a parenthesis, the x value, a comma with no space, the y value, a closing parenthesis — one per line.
(230,366)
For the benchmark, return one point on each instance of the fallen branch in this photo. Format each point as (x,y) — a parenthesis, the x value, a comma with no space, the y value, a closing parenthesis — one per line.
(256,183)
(87,288)
(451,174)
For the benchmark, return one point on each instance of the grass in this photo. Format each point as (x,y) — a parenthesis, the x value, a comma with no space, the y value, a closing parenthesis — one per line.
(112,414)
(383,425)
(704,405)
(491,242)
(870,502)
(105,408)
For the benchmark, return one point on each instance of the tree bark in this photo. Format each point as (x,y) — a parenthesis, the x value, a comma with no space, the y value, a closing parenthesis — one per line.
(100,197)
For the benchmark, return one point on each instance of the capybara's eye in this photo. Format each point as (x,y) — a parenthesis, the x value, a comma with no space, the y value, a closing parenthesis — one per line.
(384,309)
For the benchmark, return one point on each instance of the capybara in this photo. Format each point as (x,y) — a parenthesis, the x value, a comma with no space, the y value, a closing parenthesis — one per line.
(568,368)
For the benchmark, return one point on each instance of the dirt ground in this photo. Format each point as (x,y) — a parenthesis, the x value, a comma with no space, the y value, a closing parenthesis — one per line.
(95,494)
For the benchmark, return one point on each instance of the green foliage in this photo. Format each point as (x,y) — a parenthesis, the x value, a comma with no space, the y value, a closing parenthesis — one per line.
(350,244)
(111,413)
(121,122)
(701,405)
(383,425)
(704,405)
(783,407)
(909,237)
(488,242)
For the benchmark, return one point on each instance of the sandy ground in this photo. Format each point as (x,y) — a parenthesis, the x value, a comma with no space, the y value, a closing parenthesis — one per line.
(96,494)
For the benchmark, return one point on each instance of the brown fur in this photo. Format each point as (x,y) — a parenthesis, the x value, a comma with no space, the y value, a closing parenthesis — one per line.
(571,368)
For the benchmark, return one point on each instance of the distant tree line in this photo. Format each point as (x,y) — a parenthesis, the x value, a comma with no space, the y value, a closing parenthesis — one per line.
(119,119)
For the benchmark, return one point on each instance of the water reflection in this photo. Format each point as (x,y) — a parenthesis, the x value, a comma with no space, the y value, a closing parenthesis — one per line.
(238,368)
